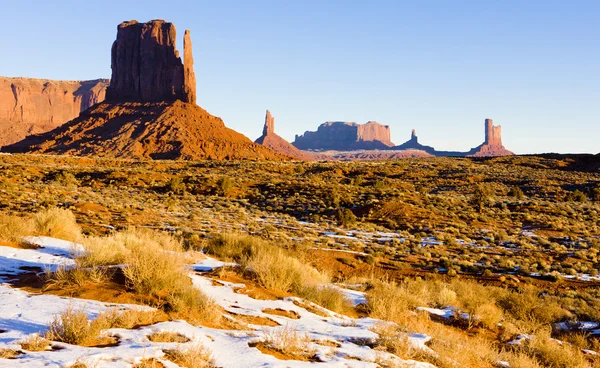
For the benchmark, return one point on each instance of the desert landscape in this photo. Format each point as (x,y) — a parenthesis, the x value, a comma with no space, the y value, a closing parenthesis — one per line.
(138,230)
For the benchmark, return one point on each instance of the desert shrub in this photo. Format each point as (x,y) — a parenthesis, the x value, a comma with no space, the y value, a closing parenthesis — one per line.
(225,186)
(576,196)
(176,186)
(481,196)
(552,353)
(57,223)
(73,327)
(345,217)
(232,247)
(516,192)
(196,356)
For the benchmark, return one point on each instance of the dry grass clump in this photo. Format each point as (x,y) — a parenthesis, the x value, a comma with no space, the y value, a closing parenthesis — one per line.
(9,353)
(34,343)
(553,353)
(64,276)
(57,223)
(154,266)
(277,269)
(196,356)
(290,342)
(73,327)
(116,248)
(167,336)
(131,318)
(149,363)
(13,228)
(393,340)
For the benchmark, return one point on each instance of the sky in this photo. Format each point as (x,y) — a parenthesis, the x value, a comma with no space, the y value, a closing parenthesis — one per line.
(438,66)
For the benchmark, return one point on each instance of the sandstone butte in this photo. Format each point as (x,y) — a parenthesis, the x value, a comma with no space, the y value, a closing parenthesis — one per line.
(345,136)
(150,109)
(276,143)
(492,145)
(33,106)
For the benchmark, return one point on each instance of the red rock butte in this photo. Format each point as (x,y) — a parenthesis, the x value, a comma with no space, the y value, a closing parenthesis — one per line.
(345,136)
(150,110)
(146,66)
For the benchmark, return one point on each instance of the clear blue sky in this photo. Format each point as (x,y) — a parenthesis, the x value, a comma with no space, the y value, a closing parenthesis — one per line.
(440,67)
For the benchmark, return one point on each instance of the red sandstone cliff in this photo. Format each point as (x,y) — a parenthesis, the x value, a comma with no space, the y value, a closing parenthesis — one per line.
(32,106)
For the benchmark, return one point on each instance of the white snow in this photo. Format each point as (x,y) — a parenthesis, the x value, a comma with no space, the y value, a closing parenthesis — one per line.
(23,314)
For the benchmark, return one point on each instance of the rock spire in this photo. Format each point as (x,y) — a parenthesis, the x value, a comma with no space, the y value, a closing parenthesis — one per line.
(269,127)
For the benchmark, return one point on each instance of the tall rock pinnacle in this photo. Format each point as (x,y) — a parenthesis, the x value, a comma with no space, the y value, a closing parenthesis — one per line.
(146,66)
(493,134)
(269,124)
(189,77)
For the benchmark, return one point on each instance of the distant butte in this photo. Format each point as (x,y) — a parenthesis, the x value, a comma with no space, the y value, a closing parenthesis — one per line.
(345,136)
(150,109)
(492,145)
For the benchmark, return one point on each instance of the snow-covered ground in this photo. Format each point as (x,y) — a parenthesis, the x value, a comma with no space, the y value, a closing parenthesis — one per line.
(23,314)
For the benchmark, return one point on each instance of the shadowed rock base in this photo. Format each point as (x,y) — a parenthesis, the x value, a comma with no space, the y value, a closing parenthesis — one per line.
(160,130)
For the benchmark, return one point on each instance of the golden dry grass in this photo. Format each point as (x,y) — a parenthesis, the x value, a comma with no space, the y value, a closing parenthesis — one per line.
(195,356)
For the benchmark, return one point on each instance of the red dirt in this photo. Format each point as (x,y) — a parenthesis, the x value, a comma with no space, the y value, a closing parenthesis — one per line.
(176,130)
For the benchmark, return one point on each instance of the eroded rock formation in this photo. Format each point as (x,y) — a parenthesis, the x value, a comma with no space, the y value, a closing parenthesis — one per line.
(345,136)
(32,106)
(146,66)
(492,145)
(276,143)
(147,113)
(413,144)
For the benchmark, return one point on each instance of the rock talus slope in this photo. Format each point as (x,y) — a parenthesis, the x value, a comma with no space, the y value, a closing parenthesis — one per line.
(32,106)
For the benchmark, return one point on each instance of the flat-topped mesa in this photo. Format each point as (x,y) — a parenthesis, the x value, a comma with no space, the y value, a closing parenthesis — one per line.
(345,136)
(146,66)
(269,124)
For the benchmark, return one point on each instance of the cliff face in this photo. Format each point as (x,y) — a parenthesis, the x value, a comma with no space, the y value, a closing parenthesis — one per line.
(344,136)
(146,66)
(32,106)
